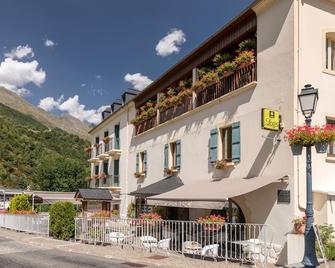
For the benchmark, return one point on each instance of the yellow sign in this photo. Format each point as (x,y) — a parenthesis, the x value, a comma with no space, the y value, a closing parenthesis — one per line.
(270,119)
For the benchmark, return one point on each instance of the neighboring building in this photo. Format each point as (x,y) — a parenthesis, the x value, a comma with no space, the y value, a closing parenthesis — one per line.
(259,180)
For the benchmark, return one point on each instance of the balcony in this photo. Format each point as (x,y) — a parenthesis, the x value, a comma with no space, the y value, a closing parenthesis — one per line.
(92,153)
(177,110)
(112,148)
(146,124)
(102,153)
(227,84)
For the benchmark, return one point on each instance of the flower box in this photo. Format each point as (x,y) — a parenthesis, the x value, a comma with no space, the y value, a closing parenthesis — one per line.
(170,171)
(223,164)
(212,222)
(139,174)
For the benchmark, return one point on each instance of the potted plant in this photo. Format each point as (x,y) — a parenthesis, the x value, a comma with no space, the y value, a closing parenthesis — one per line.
(198,86)
(223,164)
(299,225)
(226,68)
(106,139)
(102,175)
(138,174)
(150,218)
(300,136)
(324,135)
(212,222)
(221,58)
(88,149)
(245,58)
(210,78)
(248,44)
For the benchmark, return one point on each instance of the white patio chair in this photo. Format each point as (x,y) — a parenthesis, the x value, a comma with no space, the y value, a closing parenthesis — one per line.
(164,244)
(252,250)
(210,251)
(149,242)
(116,237)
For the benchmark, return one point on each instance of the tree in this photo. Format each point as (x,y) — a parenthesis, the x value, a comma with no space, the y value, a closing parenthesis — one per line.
(59,173)
(19,203)
(62,223)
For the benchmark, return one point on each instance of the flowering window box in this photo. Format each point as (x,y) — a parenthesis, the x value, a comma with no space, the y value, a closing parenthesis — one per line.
(224,164)
(139,174)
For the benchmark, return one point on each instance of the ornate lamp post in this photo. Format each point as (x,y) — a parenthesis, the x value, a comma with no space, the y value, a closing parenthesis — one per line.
(308,99)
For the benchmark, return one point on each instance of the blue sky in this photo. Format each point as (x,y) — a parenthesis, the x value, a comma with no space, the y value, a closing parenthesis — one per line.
(76,53)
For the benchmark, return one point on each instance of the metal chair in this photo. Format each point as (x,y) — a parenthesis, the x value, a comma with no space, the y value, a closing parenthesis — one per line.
(210,251)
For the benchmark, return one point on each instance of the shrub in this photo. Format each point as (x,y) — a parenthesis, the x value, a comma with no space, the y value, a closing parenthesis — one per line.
(19,203)
(221,58)
(249,44)
(62,216)
(327,235)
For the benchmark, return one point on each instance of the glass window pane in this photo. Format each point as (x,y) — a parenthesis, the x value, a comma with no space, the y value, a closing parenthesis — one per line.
(327,54)
(333,55)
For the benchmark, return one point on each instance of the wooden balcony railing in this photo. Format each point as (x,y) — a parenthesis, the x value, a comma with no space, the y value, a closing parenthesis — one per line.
(229,83)
(174,111)
(146,124)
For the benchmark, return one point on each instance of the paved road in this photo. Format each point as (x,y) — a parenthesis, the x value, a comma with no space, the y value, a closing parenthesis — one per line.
(15,254)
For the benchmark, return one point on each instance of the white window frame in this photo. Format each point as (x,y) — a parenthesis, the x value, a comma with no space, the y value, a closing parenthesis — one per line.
(223,155)
(141,162)
(328,38)
(331,150)
(172,154)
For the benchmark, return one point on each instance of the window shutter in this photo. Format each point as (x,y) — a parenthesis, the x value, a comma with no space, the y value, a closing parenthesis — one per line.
(178,153)
(137,162)
(213,145)
(166,156)
(236,142)
(145,161)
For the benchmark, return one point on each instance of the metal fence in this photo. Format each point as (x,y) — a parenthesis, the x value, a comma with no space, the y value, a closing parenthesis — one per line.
(220,242)
(36,224)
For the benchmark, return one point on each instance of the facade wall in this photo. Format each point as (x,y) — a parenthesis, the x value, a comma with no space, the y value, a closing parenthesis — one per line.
(261,155)
(315,20)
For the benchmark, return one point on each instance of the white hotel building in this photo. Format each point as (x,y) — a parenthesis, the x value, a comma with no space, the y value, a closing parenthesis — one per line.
(263,182)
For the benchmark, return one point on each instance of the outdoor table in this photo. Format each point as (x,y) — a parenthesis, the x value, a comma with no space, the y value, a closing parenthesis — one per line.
(192,247)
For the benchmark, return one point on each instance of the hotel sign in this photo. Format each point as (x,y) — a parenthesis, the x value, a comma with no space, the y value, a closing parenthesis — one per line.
(270,119)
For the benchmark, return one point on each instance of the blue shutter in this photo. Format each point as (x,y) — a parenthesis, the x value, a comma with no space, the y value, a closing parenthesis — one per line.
(178,154)
(145,161)
(213,145)
(137,162)
(166,156)
(236,142)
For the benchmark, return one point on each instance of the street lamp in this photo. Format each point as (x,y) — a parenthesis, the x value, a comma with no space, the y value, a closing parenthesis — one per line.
(308,99)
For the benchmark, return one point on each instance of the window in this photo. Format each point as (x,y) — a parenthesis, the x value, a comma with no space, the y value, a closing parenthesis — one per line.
(106,134)
(116,172)
(105,167)
(330,52)
(331,150)
(224,144)
(96,170)
(117,136)
(172,155)
(97,140)
(141,162)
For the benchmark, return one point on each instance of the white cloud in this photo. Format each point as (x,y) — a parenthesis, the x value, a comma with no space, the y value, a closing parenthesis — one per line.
(49,103)
(49,43)
(83,85)
(98,76)
(138,80)
(14,75)
(170,43)
(73,107)
(20,52)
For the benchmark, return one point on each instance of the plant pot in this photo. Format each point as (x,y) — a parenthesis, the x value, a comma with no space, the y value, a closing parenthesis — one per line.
(212,227)
(299,228)
(321,147)
(296,149)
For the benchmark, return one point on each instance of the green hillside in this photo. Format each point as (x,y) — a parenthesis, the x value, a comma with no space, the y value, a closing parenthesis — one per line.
(33,155)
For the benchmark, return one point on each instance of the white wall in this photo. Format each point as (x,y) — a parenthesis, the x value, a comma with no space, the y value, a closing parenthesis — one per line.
(316,18)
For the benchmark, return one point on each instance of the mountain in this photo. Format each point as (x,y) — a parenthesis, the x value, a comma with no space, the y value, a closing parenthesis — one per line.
(33,154)
(66,123)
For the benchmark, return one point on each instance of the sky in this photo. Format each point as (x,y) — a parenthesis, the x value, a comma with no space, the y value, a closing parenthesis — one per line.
(77,56)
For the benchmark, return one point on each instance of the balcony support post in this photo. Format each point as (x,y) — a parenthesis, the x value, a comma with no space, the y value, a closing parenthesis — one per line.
(195,78)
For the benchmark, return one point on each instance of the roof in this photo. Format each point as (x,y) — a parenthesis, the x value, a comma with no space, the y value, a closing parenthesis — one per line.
(217,36)
(93,194)
(167,184)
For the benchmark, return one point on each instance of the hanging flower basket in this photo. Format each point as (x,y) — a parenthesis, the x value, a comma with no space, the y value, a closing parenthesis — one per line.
(106,139)
(296,148)
(321,147)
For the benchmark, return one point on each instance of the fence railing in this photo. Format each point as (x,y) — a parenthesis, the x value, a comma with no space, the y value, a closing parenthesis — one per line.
(37,224)
(227,241)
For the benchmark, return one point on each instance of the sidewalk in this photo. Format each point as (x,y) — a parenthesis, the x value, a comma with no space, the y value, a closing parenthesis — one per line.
(133,257)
